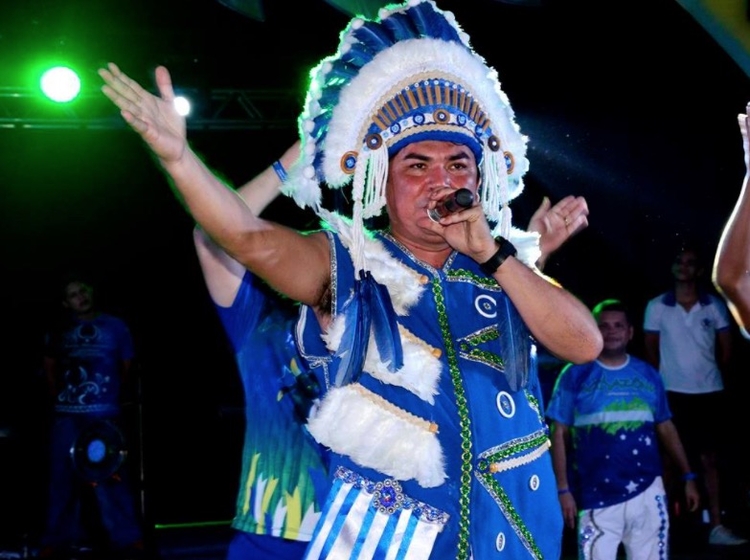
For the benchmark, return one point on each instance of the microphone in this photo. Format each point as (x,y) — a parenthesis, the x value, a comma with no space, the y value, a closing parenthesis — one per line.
(457,200)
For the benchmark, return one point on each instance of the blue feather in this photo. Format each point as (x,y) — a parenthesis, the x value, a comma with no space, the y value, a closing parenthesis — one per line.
(369,308)
(401,27)
(430,23)
(515,347)
(374,36)
(341,73)
(353,345)
(384,326)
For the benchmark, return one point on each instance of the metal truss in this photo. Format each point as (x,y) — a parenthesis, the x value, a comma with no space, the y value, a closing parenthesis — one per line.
(215,109)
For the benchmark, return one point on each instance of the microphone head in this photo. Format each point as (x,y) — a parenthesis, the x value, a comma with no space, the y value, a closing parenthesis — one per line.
(464,198)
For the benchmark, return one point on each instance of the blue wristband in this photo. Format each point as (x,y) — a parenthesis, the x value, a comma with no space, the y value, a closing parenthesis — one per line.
(689,476)
(279,169)
(563,491)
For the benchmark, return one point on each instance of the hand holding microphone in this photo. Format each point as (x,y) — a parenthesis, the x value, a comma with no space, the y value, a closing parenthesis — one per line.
(454,202)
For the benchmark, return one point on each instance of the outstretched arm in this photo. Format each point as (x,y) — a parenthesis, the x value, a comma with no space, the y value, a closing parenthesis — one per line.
(556,224)
(221,272)
(273,252)
(731,273)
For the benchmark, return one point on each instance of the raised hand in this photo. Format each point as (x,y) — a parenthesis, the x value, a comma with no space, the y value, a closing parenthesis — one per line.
(154,118)
(556,224)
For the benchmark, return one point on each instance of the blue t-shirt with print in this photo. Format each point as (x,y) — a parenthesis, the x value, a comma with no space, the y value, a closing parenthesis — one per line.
(90,354)
(612,414)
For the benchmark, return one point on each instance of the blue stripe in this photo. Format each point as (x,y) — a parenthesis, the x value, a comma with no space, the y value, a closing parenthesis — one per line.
(411,527)
(386,539)
(339,522)
(363,531)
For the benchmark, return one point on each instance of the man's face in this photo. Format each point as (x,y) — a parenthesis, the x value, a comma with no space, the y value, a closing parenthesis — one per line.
(685,267)
(79,297)
(616,331)
(414,172)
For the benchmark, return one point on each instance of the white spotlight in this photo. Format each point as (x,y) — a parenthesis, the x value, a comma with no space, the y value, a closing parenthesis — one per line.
(182,105)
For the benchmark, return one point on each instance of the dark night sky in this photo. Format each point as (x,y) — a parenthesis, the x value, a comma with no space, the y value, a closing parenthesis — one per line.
(630,104)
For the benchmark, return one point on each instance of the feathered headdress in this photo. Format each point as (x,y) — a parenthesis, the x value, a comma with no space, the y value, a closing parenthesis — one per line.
(411,75)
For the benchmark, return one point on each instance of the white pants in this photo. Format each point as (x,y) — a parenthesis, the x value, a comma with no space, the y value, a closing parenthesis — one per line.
(641,524)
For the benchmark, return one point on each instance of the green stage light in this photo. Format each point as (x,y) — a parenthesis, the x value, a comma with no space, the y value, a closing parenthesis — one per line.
(60,84)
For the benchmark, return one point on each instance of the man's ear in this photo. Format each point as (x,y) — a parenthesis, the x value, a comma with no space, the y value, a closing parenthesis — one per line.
(631,332)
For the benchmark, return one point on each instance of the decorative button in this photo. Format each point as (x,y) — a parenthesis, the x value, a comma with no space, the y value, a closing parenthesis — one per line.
(505,404)
(349,162)
(441,116)
(373,141)
(486,306)
(510,161)
(500,542)
(534,482)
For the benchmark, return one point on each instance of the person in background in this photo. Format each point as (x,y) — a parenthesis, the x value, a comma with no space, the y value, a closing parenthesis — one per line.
(420,335)
(687,337)
(609,418)
(87,363)
(277,502)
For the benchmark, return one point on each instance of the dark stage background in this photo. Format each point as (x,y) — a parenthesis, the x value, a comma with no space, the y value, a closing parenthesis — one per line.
(630,104)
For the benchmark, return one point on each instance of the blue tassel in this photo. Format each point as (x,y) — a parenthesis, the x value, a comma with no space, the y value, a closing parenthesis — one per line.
(384,325)
(369,308)
(515,348)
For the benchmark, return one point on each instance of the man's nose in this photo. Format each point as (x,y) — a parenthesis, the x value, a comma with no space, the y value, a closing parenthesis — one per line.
(439,177)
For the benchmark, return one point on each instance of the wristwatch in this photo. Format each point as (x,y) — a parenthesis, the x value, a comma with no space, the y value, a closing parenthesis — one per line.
(505,250)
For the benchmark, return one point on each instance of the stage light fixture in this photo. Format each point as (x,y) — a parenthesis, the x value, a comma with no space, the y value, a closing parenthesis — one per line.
(60,84)
(182,105)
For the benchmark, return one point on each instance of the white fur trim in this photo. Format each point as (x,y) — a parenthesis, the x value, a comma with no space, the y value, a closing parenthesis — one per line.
(527,245)
(375,434)
(404,284)
(420,373)
(393,69)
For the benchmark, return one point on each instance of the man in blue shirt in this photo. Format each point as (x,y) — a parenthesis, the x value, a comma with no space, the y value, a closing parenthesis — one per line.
(608,418)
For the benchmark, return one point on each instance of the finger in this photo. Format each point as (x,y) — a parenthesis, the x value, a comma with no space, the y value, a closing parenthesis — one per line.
(575,206)
(578,225)
(543,208)
(563,204)
(471,215)
(164,83)
(137,124)
(122,84)
(122,102)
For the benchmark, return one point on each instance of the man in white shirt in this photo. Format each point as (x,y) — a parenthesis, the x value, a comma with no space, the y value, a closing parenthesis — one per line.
(687,337)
